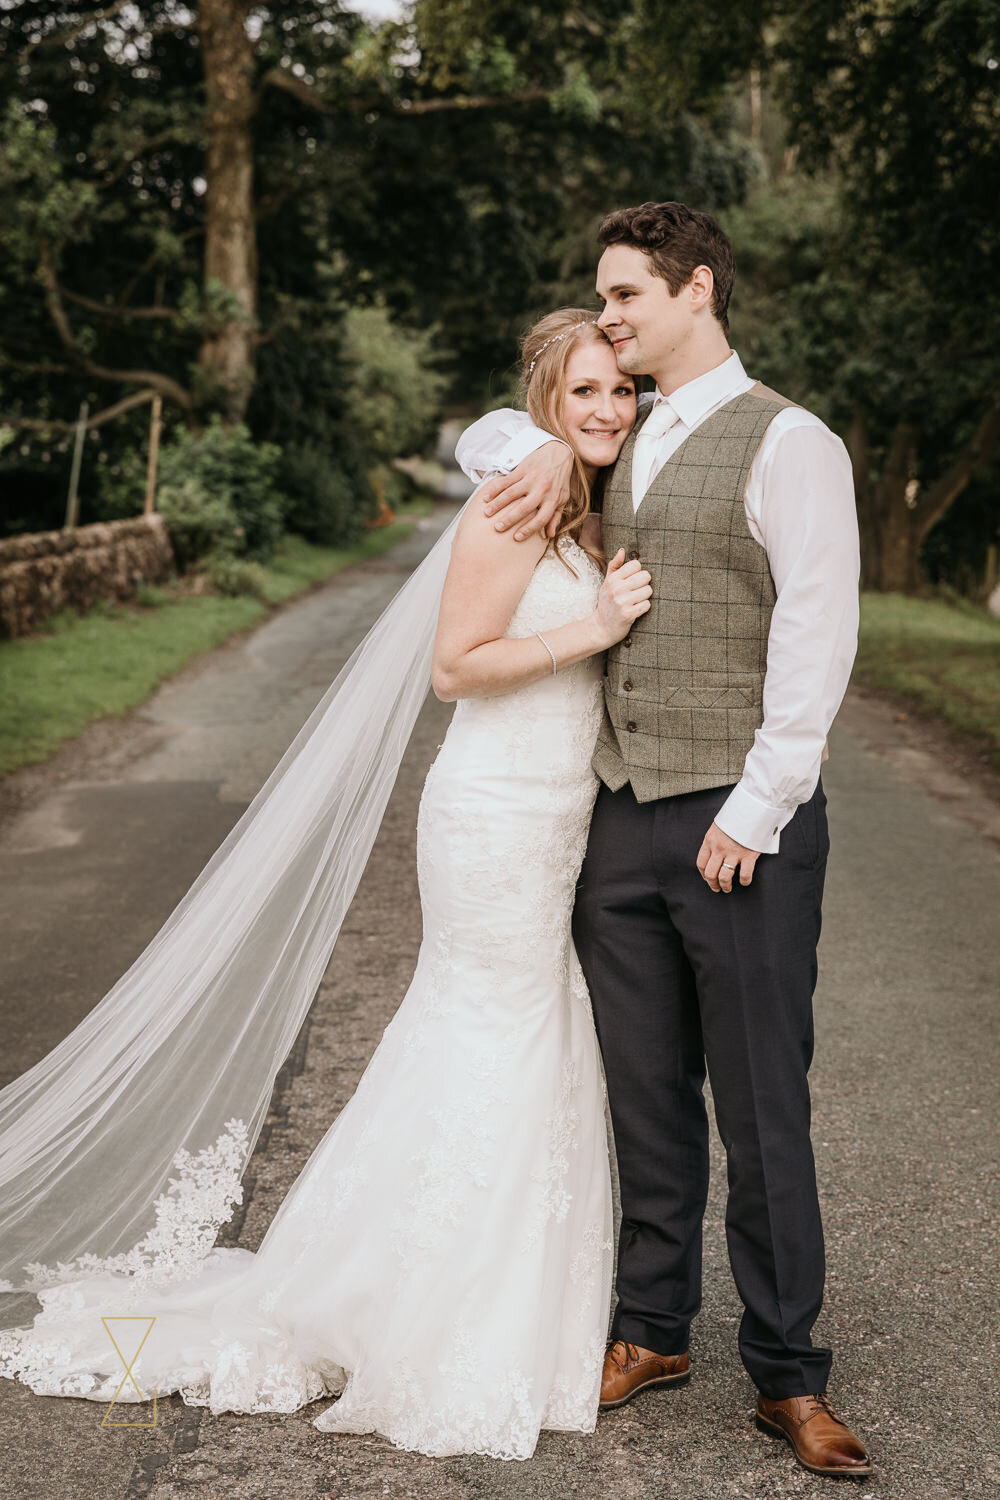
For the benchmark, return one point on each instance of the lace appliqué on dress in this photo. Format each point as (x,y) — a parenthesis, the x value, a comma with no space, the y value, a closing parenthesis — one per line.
(188,1217)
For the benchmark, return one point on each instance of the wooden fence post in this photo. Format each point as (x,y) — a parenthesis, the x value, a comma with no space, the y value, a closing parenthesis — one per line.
(154,451)
(73,499)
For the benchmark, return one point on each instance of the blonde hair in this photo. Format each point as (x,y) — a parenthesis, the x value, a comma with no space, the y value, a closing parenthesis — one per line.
(545,352)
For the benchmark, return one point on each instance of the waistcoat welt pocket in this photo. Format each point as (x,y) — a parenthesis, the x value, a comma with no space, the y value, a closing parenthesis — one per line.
(711,695)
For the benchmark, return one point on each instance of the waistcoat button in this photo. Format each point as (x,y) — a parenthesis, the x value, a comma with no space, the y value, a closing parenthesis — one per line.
(627,686)
(630,727)
(627,641)
(633,557)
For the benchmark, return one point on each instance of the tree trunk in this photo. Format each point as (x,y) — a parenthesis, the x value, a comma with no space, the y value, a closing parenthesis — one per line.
(898,571)
(226,358)
(893,530)
(898,544)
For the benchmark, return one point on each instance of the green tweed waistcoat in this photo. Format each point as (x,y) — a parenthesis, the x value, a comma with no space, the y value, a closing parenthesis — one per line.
(684,689)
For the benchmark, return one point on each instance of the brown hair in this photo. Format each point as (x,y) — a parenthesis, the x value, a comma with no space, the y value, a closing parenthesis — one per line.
(676,239)
(545,352)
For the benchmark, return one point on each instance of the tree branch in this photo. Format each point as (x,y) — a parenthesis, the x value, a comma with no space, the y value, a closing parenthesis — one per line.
(306,93)
(283,320)
(465,101)
(280,78)
(125,313)
(53,300)
(161,138)
(151,260)
(271,203)
(33,366)
(63,37)
(36,424)
(939,497)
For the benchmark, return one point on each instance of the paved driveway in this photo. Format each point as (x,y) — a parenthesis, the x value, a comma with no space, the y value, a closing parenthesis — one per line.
(904,1088)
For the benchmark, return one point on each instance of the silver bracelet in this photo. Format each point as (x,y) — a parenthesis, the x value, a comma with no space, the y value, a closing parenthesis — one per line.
(548,649)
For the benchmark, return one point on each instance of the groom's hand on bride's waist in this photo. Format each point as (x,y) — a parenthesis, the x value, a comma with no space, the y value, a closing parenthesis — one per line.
(721,860)
(531,497)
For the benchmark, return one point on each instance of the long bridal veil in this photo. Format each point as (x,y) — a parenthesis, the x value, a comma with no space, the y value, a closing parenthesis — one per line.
(123,1148)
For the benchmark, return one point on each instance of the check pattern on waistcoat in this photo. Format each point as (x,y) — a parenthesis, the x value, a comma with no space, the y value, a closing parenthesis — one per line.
(684,690)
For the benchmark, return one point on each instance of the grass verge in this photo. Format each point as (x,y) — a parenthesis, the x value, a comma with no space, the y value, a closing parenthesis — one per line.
(939,656)
(79,668)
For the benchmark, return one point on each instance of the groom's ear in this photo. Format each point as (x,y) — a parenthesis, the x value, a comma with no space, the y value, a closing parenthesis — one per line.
(700,287)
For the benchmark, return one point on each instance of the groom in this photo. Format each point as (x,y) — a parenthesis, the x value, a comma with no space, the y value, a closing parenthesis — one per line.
(718,702)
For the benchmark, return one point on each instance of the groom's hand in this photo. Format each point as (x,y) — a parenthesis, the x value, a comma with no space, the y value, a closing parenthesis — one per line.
(532,496)
(720,857)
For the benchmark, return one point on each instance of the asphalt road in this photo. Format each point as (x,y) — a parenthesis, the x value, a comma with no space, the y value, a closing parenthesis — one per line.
(113,831)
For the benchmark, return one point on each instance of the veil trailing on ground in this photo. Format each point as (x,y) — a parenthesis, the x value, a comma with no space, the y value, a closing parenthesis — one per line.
(122,1149)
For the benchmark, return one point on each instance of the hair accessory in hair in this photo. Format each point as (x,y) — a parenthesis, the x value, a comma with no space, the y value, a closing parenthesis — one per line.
(554,339)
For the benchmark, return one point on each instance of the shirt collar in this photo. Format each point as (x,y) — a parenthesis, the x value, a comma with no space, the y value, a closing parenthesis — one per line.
(693,401)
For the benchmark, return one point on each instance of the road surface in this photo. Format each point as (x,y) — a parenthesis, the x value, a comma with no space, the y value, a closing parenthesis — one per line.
(106,839)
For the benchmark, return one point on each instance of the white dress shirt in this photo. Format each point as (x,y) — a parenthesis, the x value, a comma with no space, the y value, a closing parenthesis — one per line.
(800,507)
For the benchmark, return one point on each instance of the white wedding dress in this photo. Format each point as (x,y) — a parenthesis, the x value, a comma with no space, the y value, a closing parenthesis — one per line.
(444,1257)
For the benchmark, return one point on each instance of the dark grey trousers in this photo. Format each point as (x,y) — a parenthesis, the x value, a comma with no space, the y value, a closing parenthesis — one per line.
(680,976)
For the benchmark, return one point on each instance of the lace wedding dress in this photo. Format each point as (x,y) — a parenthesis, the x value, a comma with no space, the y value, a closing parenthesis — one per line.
(443,1260)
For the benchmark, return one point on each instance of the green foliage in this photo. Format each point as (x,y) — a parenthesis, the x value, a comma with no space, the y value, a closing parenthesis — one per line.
(905,100)
(861,283)
(118,487)
(322,499)
(895,109)
(198,522)
(234,576)
(938,656)
(299,401)
(394,393)
(218,496)
(793,313)
(453,176)
(955,551)
(347,394)
(648,60)
(40,202)
(228,467)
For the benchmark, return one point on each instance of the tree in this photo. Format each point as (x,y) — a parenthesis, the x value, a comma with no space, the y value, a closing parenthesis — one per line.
(895,106)
(176,131)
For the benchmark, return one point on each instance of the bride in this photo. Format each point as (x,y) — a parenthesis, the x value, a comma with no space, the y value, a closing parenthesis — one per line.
(442,1264)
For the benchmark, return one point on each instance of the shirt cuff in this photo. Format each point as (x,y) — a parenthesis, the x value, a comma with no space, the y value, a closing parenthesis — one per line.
(751,822)
(521,445)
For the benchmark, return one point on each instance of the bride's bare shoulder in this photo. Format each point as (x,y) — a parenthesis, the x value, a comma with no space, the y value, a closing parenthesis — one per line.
(477,540)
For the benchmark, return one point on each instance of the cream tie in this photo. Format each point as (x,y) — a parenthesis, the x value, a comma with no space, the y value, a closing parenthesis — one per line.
(659,421)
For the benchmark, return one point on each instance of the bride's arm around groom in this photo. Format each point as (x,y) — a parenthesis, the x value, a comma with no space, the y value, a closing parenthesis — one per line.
(800,507)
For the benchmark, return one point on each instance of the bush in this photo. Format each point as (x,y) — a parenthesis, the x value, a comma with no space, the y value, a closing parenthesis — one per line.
(394,393)
(228,465)
(198,523)
(394,488)
(119,487)
(226,468)
(324,502)
(234,576)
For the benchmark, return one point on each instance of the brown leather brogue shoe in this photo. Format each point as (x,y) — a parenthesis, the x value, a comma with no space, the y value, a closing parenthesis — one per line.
(628,1369)
(820,1441)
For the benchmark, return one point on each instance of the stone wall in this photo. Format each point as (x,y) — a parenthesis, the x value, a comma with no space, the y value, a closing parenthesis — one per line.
(47,571)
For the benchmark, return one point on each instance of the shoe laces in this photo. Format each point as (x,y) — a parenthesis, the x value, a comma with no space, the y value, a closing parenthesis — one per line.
(631,1354)
(820,1406)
